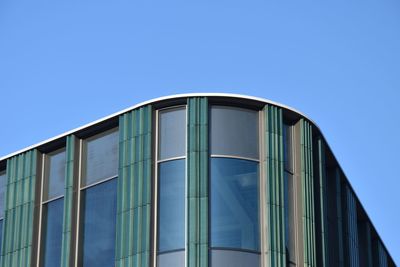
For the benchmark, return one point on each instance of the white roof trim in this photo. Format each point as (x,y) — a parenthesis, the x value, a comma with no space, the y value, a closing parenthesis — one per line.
(264,100)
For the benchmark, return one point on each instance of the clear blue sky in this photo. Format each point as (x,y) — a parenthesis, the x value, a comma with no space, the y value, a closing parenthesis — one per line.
(67,63)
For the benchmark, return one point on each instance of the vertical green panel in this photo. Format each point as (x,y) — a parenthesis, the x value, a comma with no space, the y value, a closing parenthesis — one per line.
(197,180)
(274,163)
(339,219)
(322,206)
(16,250)
(134,189)
(350,231)
(67,250)
(307,181)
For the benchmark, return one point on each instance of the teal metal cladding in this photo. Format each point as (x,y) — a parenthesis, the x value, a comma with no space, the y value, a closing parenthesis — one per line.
(18,227)
(68,248)
(322,233)
(134,189)
(274,163)
(351,230)
(307,181)
(197,180)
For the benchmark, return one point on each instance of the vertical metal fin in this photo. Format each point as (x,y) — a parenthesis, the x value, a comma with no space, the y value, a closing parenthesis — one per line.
(274,191)
(197,175)
(134,189)
(18,226)
(307,180)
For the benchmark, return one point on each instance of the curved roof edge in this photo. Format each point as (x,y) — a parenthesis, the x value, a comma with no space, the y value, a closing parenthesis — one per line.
(158,99)
(154,100)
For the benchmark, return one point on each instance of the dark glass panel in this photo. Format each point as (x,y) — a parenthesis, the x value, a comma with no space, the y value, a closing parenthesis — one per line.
(234,204)
(234,131)
(290,226)
(171,203)
(52,233)
(55,175)
(171,259)
(99,211)
(231,258)
(172,133)
(101,157)
(287,147)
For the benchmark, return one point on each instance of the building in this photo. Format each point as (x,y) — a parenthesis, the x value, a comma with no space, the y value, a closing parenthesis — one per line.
(189,180)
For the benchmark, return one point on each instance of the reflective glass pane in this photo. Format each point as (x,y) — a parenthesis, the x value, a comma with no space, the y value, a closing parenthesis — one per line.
(290,225)
(55,175)
(287,147)
(98,219)
(234,131)
(229,258)
(175,259)
(171,203)
(172,133)
(101,157)
(3,183)
(52,233)
(234,204)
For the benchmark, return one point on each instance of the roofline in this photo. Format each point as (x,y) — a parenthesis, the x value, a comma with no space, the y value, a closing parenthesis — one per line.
(154,100)
(239,96)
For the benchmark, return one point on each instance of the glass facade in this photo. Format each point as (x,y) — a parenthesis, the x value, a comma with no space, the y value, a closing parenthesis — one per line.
(99,200)
(234,132)
(171,187)
(172,133)
(234,187)
(289,195)
(101,157)
(99,210)
(171,201)
(55,175)
(52,208)
(234,204)
(52,233)
(174,186)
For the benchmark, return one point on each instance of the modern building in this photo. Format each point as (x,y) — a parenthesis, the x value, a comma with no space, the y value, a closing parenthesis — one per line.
(188,180)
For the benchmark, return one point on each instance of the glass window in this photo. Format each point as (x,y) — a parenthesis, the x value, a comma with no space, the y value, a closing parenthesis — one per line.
(171,259)
(290,226)
(52,235)
(55,175)
(172,133)
(234,204)
(101,160)
(98,219)
(234,131)
(234,258)
(171,203)
(3,184)
(287,147)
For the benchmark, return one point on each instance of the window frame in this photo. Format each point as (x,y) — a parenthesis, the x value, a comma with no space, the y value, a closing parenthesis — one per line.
(81,187)
(44,178)
(158,161)
(289,173)
(83,160)
(260,179)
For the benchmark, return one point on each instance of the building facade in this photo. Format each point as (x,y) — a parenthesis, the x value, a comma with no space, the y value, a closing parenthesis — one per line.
(190,180)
